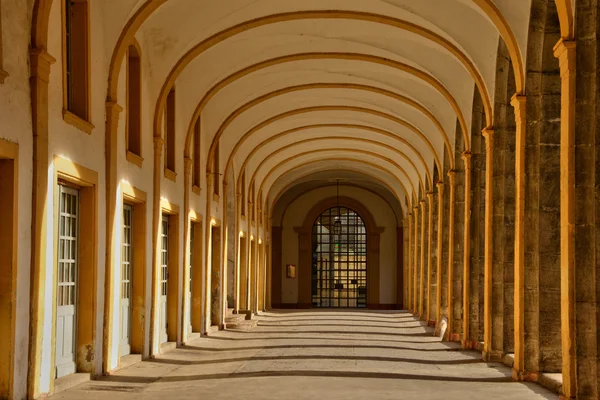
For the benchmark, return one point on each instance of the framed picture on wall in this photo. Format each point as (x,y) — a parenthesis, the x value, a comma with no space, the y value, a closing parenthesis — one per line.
(290,271)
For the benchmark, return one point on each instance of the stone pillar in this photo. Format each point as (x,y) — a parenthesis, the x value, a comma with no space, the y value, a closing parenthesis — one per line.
(440,239)
(488,134)
(422,263)
(400,243)
(187,172)
(428,311)
(466,157)
(565,51)
(580,284)
(40,63)
(519,104)
(305,263)
(409,281)
(450,272)
(457,278)
(542,344)
(276,265)
(156,223)
(415,291)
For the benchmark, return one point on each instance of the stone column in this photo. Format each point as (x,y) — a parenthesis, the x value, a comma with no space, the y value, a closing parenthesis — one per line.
(415,303)
(427,317)
(40,63)
(452,179)
(187,172)
(408,255)
(400,282)
(422,263)
(305,264)
(565,51)
(276,265)
(440,229)
(488,134)
(466,156)
(519,104)
(156,223)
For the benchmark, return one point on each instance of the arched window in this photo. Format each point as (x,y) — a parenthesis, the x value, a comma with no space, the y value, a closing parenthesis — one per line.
(170,136)
(196,156)
(134,104)
(76,64)
(3,73)
(339,259)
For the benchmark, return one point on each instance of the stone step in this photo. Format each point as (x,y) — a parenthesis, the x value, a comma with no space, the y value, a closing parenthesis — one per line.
(212,329)
(230,311)
(234,318)
(244,325)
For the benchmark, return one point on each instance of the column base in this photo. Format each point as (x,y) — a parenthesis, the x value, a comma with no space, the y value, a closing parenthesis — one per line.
(470,344)
(492,356)
(454,337)
(524,376)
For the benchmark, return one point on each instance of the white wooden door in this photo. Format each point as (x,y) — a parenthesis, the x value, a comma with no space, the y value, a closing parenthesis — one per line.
(189,293)
(164,278)
(66,291)
(126,281)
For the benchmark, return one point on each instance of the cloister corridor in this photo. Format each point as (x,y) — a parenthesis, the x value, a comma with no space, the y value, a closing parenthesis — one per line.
(311,354)
(287,199)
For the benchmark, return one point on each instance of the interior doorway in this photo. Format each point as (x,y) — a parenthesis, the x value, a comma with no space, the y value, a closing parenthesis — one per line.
(339,260)
(8,267)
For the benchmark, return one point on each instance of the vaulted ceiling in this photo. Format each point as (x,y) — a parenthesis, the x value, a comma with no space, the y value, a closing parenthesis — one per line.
(294,88)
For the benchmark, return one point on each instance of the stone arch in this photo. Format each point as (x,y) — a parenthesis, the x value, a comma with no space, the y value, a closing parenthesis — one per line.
(305,241)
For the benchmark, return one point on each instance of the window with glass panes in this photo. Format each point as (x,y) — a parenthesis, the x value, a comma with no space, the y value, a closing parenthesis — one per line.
(339,259)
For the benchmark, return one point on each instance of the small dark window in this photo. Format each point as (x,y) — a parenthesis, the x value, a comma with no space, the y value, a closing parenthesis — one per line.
(76,61)
(134,103)
(243,190)
(215,170)
(196,155)
(170,132)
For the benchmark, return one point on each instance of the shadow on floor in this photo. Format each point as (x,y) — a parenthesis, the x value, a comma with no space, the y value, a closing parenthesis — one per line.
(314,346)
(319,357)
(305,373)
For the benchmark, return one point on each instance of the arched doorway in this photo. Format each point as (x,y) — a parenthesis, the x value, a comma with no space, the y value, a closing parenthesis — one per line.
(339,259)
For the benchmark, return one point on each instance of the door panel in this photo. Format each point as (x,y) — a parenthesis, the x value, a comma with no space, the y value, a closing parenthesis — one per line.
(164,278)
(126,281)
(66,291)
(189,293)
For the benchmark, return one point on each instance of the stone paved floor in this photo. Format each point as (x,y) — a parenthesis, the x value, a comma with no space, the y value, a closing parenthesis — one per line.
(315,355)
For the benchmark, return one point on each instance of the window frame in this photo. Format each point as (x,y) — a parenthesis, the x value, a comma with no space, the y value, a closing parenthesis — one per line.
(134,157)
(170,142)
(81,122)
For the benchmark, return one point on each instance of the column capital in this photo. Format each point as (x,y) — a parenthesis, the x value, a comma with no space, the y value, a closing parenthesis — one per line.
(187,168)
(452,176)
(440,185)
(159,143)
(519,101)
(487,133)
(564,50)
(40,64)
(466,157)
(113,109)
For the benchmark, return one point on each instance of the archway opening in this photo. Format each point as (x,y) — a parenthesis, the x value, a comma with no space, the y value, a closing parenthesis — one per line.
(339,260)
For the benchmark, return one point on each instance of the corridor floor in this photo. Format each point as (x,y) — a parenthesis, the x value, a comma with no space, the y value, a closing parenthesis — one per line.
(311,354)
